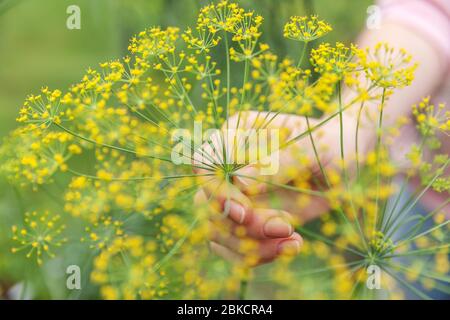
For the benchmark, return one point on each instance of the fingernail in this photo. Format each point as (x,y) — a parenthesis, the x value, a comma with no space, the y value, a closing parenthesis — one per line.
(277,227)
(234,210)
(289,247)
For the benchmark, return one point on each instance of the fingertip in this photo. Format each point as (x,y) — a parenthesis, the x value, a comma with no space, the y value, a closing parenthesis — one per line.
(277,227)
(235,211)
(290,247)
(298,237)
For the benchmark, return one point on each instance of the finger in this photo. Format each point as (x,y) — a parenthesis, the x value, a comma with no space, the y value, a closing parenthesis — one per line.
(241,212)
(224,203)
(260,251)
(268,224)
(271,249)
(224,190)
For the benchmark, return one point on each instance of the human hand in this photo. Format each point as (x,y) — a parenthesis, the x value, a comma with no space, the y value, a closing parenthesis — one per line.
(245,196)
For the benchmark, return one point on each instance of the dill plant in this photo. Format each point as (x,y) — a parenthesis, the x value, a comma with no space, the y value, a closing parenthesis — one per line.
(147,238)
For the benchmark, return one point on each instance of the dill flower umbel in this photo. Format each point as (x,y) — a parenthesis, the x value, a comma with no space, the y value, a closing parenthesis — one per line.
(306,29)
(396,71)
(40,234)
(38,157)
(336,60)
(43,109)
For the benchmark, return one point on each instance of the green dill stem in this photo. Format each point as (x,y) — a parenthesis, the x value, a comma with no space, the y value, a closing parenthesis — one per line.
(227,54)
(304,133)
(191,146)
(319,237)
(241,103)
(176,247)
(244,82)
(185,94)
(105,144)
(408,206)
(316,153)
(317,126)
(302,56)
(422,274)
(344,171)
(341,126)
(410,287)
(76,173)
(283,186)
(390,230)
(426,251)
(358,173)
(358,121)
(403,188)
(314,271)
(109,146)
(212,96)
(356,290)
(228,73)
(400,194)
(417,227)
(377,150)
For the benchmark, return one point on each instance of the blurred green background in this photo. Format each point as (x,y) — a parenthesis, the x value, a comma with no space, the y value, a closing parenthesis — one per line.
(37,49)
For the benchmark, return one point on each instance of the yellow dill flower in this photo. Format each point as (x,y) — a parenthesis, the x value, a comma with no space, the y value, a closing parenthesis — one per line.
(386,66)
(154,42)
(431,119)
(337,60)
(379,243)
(220,17)
(40,234)
(306,29)
(32,156)
(43,110)
(101,234)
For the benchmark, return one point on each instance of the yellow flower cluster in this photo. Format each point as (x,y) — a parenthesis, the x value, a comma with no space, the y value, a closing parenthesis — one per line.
(306,29)
(40,233)
(387,67)
(431,119)
(336,60)
(154,42)
(37,158)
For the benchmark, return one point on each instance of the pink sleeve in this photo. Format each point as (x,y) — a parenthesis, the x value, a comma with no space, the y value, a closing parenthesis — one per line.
(429,18)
